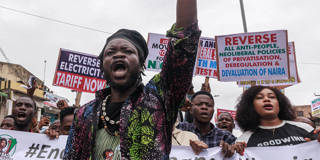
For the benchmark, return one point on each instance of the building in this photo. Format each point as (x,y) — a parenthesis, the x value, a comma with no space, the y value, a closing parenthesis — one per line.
(13,81)
(305,111)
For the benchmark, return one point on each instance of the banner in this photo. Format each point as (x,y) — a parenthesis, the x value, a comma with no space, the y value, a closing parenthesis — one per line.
(78,71)
(206,58)
(16,145)
(315,107)
(304,151)
(294,77)
(253,56)
(30,146)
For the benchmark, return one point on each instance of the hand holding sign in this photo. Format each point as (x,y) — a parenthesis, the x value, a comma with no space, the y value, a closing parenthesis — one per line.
(197,146)
(227,149)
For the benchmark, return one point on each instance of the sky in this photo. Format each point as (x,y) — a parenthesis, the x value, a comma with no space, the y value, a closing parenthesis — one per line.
(29,40)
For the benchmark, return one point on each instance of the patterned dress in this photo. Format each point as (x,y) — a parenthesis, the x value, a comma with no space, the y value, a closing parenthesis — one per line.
(148,115)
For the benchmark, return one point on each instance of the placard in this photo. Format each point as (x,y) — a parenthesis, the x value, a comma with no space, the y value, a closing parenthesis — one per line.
(205,65)
(253,56)
(294,77)
(315,107)
(78,71)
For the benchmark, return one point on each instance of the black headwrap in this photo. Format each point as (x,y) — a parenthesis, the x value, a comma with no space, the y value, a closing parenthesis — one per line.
(133,37)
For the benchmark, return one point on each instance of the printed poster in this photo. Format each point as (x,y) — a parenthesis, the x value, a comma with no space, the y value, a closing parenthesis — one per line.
(253,56)
(206,57)
(78,71)
(315,107)
(157,46)
(206,64)
(294,77)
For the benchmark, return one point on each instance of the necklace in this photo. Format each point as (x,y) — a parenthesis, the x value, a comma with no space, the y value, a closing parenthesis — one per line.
(106,119)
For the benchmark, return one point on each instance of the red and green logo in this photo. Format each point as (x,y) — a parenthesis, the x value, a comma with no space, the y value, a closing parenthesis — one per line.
(7,146)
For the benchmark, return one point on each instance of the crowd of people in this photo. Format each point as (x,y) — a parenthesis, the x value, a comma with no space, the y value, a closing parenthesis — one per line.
(23,114)
(264,114)
(136,121)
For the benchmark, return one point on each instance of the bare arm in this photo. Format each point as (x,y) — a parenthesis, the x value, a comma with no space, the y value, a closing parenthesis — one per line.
(186,12)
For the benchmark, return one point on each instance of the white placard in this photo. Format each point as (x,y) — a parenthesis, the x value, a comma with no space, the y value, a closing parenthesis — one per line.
(157,46)
(253,56)
(315,107)
(294,77)
(205,65)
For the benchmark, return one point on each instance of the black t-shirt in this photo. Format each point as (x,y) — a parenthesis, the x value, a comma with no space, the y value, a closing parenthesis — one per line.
(287,133)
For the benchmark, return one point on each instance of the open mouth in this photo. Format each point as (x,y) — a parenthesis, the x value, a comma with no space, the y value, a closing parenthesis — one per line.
(21,115)
(118,66)
(268,107)
(119,69)
(224,126)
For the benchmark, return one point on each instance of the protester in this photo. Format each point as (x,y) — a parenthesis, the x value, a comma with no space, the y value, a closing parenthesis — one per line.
(24,110)
(204,87)
(55,126)
(66,119)
(202,111)
(266,117)
(8,122)
(306,120)
(225,121)
(128,118)
(65,122)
